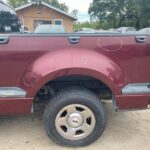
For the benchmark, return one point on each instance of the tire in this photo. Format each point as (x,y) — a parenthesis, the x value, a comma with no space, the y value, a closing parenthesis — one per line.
(68,111)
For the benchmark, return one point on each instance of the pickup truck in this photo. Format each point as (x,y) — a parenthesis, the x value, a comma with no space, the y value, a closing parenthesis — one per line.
(73,74)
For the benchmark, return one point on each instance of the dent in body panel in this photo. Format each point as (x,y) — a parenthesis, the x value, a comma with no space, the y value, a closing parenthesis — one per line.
(111,45)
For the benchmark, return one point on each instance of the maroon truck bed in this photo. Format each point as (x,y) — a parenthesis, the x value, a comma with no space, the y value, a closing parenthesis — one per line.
(28,62)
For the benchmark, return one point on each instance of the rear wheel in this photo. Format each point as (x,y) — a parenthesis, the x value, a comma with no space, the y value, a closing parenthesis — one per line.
(75,117)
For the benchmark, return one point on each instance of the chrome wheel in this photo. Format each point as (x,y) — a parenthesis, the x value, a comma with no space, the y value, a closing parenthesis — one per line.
(75,122)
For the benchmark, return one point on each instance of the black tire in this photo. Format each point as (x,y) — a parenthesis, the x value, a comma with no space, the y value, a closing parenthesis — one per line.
(74,95)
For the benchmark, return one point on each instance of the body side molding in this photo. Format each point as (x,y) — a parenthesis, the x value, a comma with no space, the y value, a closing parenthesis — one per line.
(12,92)
(136,88)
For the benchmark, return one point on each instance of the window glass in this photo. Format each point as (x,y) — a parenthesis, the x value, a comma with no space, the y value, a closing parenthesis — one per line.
(58,22)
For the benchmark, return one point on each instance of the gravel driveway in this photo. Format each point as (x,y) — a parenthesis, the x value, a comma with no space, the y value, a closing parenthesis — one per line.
(125,131)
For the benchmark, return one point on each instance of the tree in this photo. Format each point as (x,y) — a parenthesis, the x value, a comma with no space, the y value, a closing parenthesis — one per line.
(63,7)
(143,11)
(74,13)
(56,4)
(79,25)
(121,12)
(17,3)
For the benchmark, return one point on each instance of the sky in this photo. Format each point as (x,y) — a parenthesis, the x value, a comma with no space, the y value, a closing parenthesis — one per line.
(81,5)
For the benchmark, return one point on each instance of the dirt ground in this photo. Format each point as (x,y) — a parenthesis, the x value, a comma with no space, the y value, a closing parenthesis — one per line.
(125,131)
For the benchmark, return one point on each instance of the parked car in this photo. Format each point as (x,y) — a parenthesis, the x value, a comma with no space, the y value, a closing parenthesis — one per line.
(112,30)
(47,28)
(9,22)
(24,29)
(107,32)
(70,72)
(144,31)
(85,30)
(126,30)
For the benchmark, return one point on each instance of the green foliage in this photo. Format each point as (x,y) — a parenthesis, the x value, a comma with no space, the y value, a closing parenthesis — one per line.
(118,13)
(17,3)
(56,4)
(94,25)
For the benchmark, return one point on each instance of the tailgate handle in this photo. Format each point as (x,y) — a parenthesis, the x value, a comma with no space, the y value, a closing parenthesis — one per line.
(141,39)
(74,40)
(4,39)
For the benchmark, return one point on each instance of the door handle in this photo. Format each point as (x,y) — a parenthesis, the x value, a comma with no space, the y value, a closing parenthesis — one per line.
(4,39)
(141,39)
(74,40)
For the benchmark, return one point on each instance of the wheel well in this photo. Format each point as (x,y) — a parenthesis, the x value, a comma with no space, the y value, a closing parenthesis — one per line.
(49,89)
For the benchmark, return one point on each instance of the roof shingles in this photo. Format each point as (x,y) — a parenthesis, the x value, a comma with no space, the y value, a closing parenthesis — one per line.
(47,5)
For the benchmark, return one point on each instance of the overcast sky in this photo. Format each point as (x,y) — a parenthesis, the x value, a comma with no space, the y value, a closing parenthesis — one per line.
(81,5)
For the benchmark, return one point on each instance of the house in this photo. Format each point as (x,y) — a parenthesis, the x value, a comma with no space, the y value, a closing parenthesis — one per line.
(36,13)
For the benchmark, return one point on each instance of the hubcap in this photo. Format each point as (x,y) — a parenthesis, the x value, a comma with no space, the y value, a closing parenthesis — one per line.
(75,122)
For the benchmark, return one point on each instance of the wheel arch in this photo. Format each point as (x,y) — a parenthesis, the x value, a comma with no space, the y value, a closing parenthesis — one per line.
(73,72)
(73,62)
